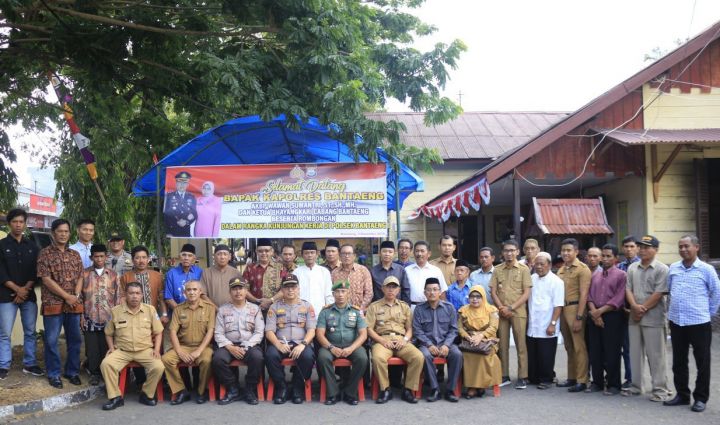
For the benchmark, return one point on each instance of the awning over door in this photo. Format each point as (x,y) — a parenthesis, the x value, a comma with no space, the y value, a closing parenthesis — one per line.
(571,217)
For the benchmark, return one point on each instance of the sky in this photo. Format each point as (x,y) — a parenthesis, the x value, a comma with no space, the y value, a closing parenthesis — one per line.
(524,55)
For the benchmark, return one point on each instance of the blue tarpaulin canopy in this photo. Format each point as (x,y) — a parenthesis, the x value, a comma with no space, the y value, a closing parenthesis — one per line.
(250,140)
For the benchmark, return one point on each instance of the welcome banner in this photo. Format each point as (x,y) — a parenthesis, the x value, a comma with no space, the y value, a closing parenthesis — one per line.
(276,201)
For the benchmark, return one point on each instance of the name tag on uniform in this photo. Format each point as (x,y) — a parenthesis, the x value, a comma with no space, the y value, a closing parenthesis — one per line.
(352,316)
(122,322)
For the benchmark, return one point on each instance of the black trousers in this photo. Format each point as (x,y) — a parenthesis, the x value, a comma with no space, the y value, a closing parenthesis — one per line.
(254,359)
(541,359)
(95,350)
(626,347)
(302,372)
(700,337)
(605,349)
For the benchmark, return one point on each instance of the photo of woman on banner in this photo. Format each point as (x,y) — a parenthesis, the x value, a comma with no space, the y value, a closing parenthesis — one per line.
(180,210)
(209,207)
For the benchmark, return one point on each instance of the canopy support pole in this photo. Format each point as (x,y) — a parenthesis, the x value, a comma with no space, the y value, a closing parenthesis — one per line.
(516,208)
(397,204)
(158,219)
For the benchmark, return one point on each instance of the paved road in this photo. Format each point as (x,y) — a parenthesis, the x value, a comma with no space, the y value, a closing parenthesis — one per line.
(552,406)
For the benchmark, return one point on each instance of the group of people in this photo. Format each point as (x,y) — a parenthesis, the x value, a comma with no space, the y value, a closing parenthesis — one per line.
(424,312)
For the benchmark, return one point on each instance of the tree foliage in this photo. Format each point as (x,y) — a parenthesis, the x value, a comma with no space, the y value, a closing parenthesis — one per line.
(147,75)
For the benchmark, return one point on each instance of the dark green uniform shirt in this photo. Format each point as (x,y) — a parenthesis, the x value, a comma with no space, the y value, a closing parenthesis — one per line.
(341,324)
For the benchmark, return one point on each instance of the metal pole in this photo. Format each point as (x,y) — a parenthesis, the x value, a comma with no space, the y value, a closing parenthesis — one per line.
(516,209)
(158,219)
(397,203)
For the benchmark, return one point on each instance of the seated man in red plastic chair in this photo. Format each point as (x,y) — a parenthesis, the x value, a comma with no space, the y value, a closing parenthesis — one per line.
(290,329)
(191,329)
(341,332)
(389,322)
(239,328)
(435,329)
(133,334)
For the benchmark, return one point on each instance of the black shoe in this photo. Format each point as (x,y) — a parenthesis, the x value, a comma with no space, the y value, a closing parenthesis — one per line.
(251,396)
(521,384)
(280,394)
(626,385)
(434,395)
(298,395)
(331,400)
(74,379)
(4,374)
(568,383)
(698,406)
(350,400)
(95,380)
(384,396)
(180,397)
(451,397)
(577,388)
(233,394)
(32,370)
(55,382)
(407,395)
(677,401)
(150,401)
(113,403)
(201,398)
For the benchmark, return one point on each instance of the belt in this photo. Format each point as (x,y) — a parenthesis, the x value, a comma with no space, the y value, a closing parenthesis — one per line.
(390,334)
(416,302)
(572,303)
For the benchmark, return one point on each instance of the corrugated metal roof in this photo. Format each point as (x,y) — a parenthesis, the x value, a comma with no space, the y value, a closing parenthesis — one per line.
(644,137)
(571,217)
(473,135)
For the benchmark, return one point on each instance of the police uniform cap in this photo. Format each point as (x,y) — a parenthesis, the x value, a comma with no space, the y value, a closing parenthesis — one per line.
(182,176)
(238,281)
(116,236)
(289,280)
(649,240)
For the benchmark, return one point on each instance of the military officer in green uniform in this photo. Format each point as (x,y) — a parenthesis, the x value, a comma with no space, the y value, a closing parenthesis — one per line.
(180,207)
(290,330)
(341,332)
(134,333)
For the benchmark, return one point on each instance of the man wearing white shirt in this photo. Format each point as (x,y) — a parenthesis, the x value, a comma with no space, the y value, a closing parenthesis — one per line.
(315,281)
(416,275)
(85,232)
(547,299)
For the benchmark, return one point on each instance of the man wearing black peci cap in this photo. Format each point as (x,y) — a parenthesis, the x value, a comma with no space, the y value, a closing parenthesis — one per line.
(264,276)
(315,282)
(387,267)
(215,279)
(332,254)
(180,210)
(177,277)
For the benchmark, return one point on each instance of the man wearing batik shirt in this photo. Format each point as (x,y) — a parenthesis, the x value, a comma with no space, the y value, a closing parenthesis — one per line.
(150,281)
(332,254)
(264,276)
(60,269)
(100,293)
(361,290)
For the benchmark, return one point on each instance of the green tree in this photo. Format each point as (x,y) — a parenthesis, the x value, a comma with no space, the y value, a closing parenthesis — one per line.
(145,76)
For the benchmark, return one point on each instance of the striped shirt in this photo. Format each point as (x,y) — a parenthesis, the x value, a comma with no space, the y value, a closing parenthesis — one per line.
(694,293)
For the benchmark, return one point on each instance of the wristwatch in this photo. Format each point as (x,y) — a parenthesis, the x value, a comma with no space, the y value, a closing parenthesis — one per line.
(406,339)
(579,317)
(554,322)
(330,347)
(303,342)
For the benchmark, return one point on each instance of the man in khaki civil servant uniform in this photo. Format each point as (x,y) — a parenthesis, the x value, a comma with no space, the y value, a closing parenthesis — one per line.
(576,276)
(191,329)
(134,333)
(510,289)
(389,322)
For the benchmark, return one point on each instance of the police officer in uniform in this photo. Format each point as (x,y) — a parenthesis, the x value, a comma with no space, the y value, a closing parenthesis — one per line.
(191,330)
(389,323)
(180,207)
(239,331)
(289,330)
(117,258)
(341,332)
(134,333)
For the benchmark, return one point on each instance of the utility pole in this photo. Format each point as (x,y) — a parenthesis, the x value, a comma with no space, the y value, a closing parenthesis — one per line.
(460,95)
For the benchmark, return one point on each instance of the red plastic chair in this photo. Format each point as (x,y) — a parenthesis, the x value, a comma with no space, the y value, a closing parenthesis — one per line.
(123,381)
(392,361)
(323,384)
(439,361)
(260,385)
(271,383)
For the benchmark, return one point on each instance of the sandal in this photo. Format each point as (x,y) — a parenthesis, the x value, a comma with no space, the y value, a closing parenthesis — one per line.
(470,394)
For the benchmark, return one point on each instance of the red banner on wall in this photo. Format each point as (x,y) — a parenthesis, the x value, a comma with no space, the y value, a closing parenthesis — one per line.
(276,201)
